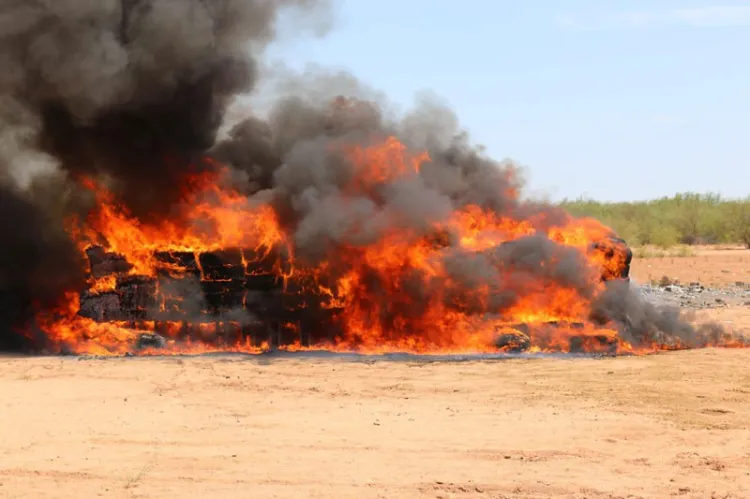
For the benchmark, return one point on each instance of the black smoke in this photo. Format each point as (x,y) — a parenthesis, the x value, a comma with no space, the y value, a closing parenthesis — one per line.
(128,91)
(643,323)
(133,89)
(38,263)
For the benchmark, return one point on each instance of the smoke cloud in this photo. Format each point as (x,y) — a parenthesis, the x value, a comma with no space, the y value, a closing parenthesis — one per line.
(132,91)
(295,157)
(38,264)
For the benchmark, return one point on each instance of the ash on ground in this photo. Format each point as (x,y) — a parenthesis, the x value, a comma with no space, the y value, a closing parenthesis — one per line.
(694,295)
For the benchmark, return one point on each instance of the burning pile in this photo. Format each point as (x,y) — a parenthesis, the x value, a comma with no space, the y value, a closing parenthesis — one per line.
(326,225)
(234,275)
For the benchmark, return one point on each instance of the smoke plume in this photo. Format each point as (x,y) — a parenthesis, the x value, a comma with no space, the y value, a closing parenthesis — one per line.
(38,263)
(133,89)
(129,90)
(295,157)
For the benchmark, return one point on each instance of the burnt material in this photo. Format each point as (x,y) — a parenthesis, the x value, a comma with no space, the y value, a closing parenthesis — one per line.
(178,263)
(593,343)
(228,295)
(102,307)
(150,340)
(103,263)
(137,295)
(223,295)
(513,339)
(518,338)
(133,298)
(222,265)
(617,257)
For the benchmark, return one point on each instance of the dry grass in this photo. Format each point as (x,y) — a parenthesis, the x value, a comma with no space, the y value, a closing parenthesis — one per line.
(679,251)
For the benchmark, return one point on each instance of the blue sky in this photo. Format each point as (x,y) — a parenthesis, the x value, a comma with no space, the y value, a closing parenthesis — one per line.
(613,100)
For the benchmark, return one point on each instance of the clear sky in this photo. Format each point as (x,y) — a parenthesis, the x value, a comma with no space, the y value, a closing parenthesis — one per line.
(613,100)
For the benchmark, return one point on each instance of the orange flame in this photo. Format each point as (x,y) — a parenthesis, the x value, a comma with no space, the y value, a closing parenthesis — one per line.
(212,219)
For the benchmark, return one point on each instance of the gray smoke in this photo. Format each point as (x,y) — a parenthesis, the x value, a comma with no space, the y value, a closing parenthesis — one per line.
(294,157)
(643,322)
(38,264)
(131,89)
(193,304)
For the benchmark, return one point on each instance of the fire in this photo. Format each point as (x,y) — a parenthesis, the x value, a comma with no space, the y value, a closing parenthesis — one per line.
(384,162)
(481,230)
(210,219)
(399,293)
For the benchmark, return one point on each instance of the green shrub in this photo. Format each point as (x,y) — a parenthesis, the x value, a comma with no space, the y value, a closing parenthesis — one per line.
(686,218)
(739,216)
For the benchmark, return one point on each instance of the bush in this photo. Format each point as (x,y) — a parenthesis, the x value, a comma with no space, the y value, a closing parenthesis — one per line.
(686,218)
(739,213)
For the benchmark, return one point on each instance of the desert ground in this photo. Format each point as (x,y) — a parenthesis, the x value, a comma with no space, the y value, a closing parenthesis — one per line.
(666,425)
(720,266)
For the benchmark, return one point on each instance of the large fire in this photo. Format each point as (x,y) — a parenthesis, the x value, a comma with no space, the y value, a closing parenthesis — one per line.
(221,275)
(320,222)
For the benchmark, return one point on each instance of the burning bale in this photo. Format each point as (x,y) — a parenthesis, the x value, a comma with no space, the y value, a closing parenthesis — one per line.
(193,287)
(101,307)
(513,339)
(616,256)
(222,294)
(150,340)
(520,338)
(106,264)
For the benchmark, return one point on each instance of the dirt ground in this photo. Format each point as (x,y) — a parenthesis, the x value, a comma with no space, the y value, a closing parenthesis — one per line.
(667,425)
(710,267)
(657,426)
(714,267)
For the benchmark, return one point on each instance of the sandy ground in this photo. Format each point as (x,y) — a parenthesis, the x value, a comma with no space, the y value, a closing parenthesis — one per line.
(668,425)
(708,266)
(658,426)
(712,267)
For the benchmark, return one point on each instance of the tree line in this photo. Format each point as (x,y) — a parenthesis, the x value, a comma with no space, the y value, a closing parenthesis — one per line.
(687,218)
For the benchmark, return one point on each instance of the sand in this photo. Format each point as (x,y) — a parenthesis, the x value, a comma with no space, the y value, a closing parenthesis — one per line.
(667,425)
(710,267)
(656,426)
